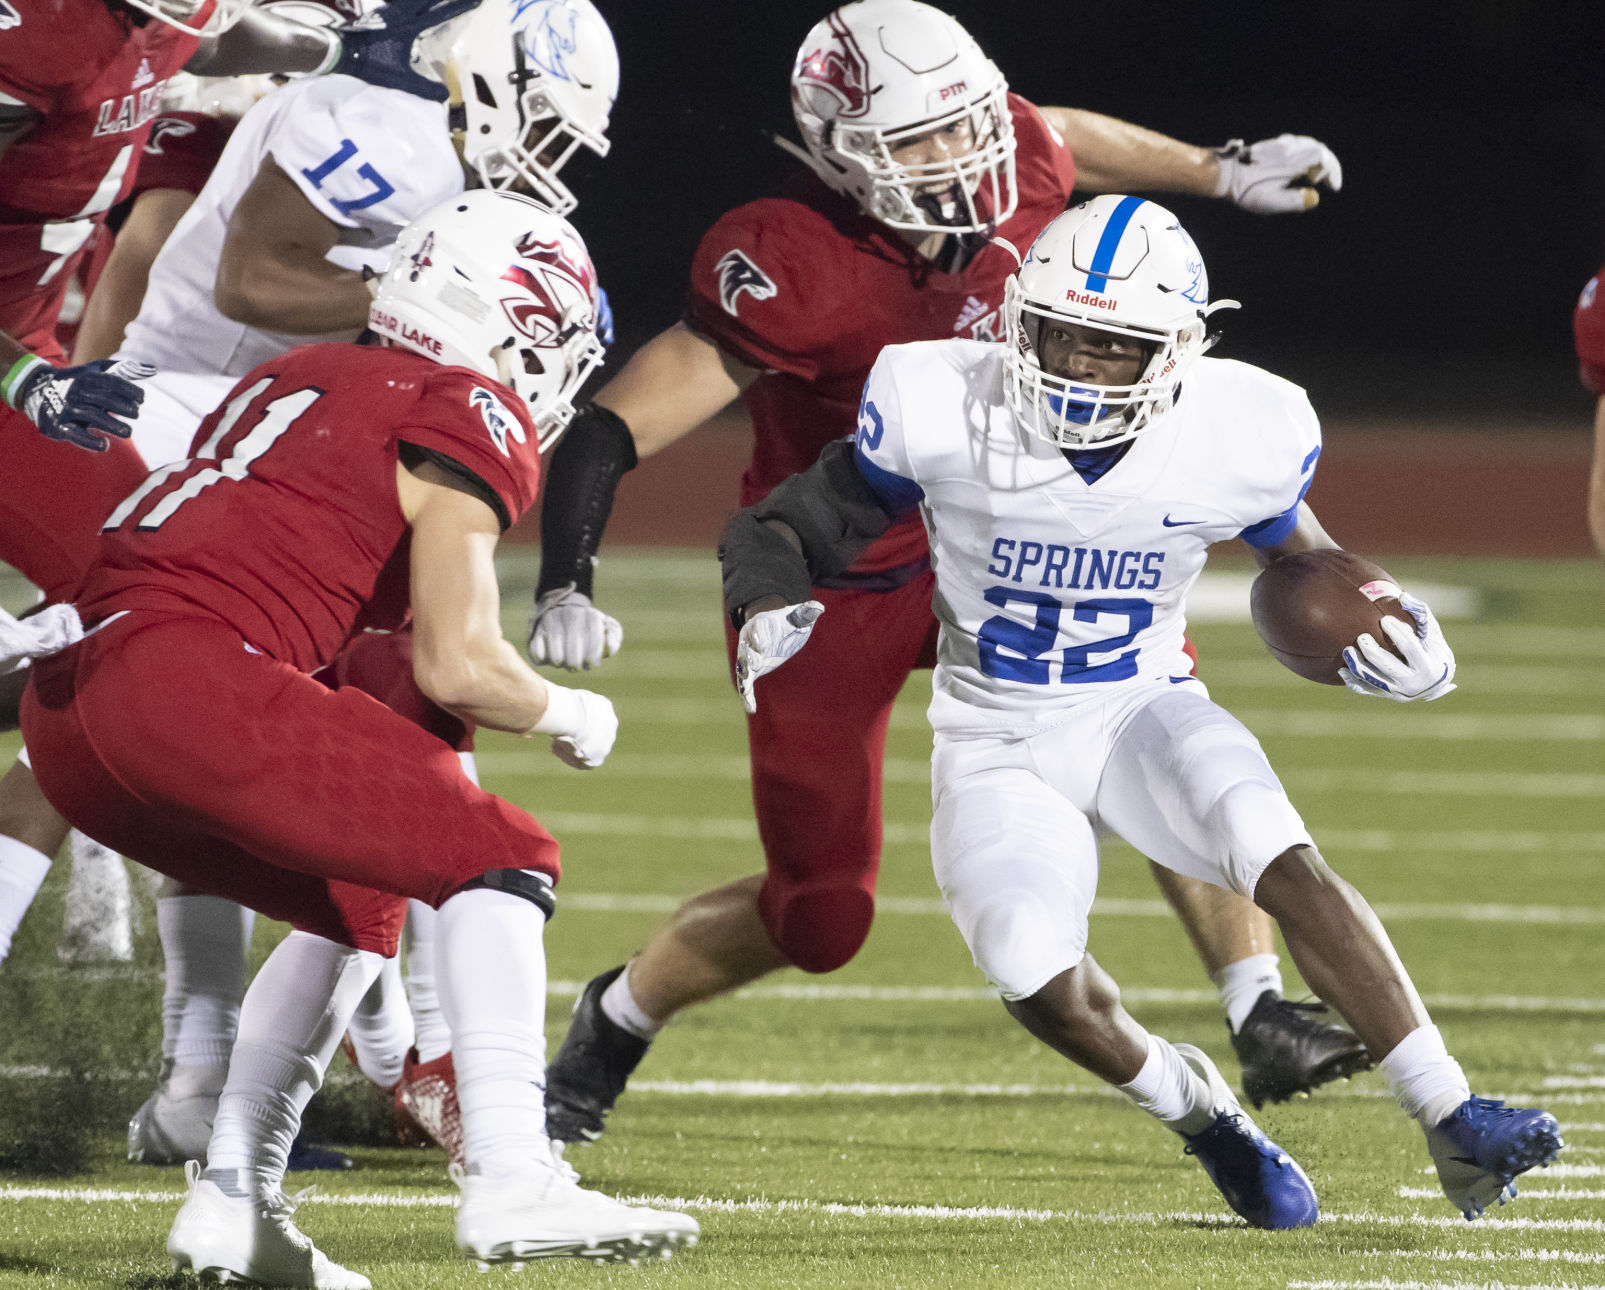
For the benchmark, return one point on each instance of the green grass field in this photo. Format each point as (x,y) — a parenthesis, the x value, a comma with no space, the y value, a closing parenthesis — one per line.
(889,1125)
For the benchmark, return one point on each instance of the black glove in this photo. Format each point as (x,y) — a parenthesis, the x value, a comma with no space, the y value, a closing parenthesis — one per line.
(81,405)
(379,50)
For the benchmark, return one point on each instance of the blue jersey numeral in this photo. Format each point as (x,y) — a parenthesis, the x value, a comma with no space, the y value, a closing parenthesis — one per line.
(382,187)
(1029,646)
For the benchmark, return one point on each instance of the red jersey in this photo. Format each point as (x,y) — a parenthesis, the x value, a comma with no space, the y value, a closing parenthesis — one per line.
(1588,327)
(810,289)
(284,523)
(95,78)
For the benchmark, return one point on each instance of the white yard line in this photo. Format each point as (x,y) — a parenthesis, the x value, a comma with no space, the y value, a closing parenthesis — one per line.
(1332,841)
(1528,1188)
(962,1213)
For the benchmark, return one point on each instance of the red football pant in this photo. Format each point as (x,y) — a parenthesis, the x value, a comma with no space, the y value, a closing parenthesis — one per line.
(54,498)
(170,741)
(817,742)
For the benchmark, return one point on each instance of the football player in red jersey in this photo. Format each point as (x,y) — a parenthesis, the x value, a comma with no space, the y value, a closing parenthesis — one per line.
(340,488)
(1588,325)
(924,166)
(74,116)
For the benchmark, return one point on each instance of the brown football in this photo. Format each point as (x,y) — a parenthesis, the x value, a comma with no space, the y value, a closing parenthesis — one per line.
(1308,608)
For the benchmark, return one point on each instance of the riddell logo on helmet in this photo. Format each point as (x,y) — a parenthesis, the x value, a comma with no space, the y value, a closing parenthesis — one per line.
(393,326)
(949,91)
(1090,300)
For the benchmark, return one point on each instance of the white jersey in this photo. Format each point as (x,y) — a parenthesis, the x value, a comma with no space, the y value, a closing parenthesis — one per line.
(1051,589)
(370,159)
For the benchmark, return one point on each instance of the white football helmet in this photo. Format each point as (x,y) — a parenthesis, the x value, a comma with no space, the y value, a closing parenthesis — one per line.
(1119,264)
(531,81)
(495,282)
(876,76)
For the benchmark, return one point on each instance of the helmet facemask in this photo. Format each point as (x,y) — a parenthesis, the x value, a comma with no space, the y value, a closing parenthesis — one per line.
(181,14)
(970,189)
(1074,413)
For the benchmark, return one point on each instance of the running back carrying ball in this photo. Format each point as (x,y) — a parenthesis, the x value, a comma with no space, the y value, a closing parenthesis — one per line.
(1308,608)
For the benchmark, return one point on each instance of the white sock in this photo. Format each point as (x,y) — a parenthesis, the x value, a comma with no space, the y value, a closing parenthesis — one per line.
(203,940)
(1241,984)
(98,926)
(431,1034)
(381,1027)
(22,871)
(492,965)
(1427,1081)
(1171,1091)
(290,1024)
(619,1007)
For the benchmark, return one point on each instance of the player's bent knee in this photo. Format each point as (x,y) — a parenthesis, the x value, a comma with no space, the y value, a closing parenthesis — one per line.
(1019,942)
(820,928)
(527,884)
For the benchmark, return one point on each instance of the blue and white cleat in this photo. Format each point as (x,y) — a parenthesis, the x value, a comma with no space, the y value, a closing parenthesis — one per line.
(1484,1145)
(1260,1181)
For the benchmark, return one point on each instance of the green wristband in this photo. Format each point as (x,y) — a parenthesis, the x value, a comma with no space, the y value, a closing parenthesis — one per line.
(18,376)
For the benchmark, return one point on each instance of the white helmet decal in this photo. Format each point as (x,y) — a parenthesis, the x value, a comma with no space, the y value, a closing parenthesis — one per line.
(837,67)
(1119,265)
(497,283)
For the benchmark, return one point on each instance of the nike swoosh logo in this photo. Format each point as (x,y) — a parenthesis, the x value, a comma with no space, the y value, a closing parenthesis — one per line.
(1176,524)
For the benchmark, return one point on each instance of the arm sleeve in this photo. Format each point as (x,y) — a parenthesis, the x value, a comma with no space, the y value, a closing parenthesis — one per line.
(370,158)
(754,292)
(1303,437)
(1588,329)
(583,475)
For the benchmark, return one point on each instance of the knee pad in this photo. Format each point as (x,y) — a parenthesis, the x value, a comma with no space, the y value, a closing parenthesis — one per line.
(1253,823)
(1019,941)
(818,928)
(533,887)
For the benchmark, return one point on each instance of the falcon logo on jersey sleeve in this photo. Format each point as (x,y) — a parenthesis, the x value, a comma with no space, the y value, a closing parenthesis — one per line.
(737,274)
(840,70)
(498,420)
(9,17)
(167,127)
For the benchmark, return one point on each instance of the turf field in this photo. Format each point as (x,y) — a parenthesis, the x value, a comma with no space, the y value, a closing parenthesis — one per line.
(889,1125)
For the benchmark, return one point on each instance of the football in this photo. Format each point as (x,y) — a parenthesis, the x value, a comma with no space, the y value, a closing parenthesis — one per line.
(1308,608)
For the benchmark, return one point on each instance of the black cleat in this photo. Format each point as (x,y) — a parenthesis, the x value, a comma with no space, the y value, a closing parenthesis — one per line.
(591,1069)
(1285,1050)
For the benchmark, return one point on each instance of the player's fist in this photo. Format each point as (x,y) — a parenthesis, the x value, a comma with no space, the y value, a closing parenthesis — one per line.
(568,631)
(582,724)
(767,640)
(79,405)
(1277,176)
(49,631)
(1420,666)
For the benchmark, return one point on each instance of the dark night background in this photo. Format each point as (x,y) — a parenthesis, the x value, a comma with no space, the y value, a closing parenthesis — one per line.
(1440,280)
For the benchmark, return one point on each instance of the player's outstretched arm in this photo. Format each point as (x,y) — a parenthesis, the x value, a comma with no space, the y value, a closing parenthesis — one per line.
(671,385)
(377,50)
(460,658)
(1420,664)
(1272,177)
(120,289)
(274,272)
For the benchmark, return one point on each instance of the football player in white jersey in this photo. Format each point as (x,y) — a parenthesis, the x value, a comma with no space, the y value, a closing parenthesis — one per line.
(306,201)
(1071,480)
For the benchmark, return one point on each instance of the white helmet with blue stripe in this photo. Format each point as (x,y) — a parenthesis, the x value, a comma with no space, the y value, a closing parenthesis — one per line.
(1121,265)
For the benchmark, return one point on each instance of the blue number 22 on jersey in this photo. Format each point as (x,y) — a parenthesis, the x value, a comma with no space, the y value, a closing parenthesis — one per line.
(1028,659)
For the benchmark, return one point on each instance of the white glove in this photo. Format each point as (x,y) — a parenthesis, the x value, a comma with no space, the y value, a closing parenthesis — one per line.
(569,631)
(1277,176)
(1427,669)
(767,640)
(582,724)
(49,631)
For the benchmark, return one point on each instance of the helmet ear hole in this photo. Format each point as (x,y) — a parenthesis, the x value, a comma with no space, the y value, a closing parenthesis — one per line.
(482,91)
